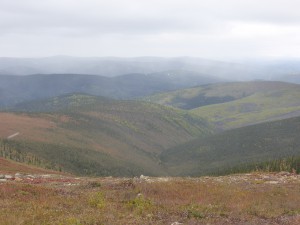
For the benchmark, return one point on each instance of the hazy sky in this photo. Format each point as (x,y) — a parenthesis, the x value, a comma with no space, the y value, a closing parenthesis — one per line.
(220,29)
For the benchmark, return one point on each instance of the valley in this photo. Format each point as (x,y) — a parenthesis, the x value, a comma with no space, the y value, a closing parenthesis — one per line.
(99,136)
(238,104)
(157,135)
(149,112)
(172,147)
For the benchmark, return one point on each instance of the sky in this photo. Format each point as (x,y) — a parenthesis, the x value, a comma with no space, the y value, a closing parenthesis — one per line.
(214,29)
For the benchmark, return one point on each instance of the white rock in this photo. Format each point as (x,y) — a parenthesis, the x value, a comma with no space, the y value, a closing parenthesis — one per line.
(19,175)
(163,179)
(144,177)
(284,173)
(272,182)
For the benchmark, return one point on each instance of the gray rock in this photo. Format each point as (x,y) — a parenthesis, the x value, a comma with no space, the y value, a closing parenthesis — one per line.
(2,176)
(19,175)
(284,173)
(8,177)
(2,180)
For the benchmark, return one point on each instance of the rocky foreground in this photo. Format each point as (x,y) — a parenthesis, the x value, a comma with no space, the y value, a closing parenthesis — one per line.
(257,198)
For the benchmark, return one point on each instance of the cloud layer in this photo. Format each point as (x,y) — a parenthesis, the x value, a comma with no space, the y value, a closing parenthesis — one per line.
(211,29)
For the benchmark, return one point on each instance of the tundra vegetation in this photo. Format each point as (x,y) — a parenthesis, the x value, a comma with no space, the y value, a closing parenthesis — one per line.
(256,198)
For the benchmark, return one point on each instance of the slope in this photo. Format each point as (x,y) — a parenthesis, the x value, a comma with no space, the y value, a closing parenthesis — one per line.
(266,105)
(11,167)
(92,135)
(17,89)
(246,145)
(237,104)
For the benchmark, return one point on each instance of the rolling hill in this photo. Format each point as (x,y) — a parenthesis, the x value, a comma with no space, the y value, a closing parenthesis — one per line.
(17,89)
(98,136)
(237,104)
(233,148)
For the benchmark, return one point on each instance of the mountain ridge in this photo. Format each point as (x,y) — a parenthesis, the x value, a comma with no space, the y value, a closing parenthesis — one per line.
(235,104)
(16,89)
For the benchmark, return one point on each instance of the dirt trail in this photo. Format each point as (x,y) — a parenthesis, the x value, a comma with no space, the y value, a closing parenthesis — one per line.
(13,135)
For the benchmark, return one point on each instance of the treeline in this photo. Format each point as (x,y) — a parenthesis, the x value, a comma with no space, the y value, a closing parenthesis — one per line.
(289,164)
(67,158)
(9,151)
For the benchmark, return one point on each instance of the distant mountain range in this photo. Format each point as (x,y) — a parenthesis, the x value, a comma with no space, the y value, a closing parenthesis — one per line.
(17,89)
(292,78)
(114,66)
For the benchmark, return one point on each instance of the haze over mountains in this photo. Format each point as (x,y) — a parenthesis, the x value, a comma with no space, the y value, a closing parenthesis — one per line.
(114,66)
(147,115)
(17,89)
(126,78)
(150,112)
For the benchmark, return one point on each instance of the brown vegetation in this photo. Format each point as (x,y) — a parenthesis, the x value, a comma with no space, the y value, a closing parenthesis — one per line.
(239,199)
(11,167)
(28,126)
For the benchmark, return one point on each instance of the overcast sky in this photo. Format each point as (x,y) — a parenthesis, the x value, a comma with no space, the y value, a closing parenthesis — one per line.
(216,29)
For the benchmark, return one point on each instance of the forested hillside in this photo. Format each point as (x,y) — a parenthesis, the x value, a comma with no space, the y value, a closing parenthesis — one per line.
(231,105)
(99,136)
(18,89)
(242,149)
